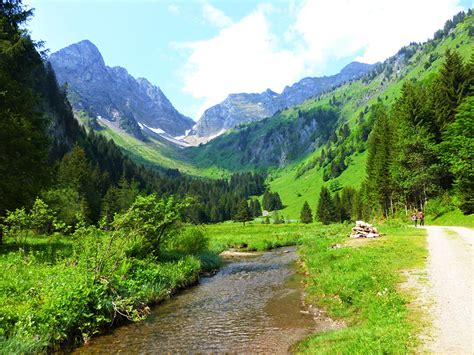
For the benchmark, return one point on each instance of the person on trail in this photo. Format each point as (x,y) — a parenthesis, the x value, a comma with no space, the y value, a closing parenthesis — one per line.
(414,218)
(421,217)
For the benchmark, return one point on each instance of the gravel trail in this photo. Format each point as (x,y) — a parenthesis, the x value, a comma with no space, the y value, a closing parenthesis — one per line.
(451,278)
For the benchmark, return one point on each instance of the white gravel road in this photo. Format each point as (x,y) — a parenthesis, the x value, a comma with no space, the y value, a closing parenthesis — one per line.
(450,274)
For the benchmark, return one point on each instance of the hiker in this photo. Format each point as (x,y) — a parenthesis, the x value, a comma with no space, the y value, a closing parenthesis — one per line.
(414,218)
(421,217)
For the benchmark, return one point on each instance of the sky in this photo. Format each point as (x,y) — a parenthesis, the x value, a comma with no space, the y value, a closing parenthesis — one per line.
(200,51)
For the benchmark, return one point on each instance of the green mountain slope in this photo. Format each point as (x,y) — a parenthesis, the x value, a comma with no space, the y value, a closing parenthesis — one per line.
(155,152)
(297,169)
(300,182)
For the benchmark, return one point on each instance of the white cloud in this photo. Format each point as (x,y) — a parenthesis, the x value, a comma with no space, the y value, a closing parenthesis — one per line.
(340,28)
(215,16)
(242,58)
(246,56)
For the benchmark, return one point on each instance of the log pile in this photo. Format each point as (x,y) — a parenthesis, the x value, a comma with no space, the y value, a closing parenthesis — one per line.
(364,230)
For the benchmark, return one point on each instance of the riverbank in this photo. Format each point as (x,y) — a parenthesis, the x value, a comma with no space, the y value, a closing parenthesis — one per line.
(359,282)
(50,297)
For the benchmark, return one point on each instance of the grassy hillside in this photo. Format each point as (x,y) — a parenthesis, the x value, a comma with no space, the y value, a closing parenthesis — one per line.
(153,153)
(300,182)
(294,191)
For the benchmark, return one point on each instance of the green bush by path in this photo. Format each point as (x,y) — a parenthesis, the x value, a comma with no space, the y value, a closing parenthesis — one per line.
(359,285)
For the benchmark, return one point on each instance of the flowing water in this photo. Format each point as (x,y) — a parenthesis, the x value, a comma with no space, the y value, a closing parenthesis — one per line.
(253,304)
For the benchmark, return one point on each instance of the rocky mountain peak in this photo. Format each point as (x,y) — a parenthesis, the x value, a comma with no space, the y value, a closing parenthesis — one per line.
(243,107)
(114,95)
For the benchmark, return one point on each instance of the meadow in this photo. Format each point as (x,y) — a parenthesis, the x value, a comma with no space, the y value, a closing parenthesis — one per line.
(50,295)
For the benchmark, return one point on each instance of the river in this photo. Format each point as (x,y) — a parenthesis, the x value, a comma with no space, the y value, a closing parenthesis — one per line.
(253,304)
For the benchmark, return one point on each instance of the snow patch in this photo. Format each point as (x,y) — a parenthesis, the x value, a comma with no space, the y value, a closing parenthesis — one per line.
(156,130)
(183,136)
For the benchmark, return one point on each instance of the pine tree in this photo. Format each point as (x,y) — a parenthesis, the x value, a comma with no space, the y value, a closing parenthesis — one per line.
(325,210)
(379,180)
(458,153)
(306,215)
(266,201)
(243,213)
(24,142)
(452,85)
(255,208)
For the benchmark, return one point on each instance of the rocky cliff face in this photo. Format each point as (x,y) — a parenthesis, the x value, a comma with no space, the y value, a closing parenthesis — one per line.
(113,94)
(240,108)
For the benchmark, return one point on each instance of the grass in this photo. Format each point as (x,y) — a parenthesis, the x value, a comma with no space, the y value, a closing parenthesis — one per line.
(256,237)
(49,294)
(294,191)
(453,218)
(360,285)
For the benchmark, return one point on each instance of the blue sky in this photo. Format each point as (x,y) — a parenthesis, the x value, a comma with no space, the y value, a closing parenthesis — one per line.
(199,51)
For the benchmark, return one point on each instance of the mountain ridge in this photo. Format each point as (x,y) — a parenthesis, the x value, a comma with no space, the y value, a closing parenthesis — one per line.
(113,94)
(240,108)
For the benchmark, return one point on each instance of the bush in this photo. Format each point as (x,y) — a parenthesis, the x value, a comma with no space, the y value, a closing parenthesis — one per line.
(42,217)
(438,206)
(190,240)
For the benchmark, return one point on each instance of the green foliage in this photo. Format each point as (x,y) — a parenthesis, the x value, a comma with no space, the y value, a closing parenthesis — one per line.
(42,217)
(150,221)
(67,205)
(306,215)
(453,84)
(17,225)
(378,183)
(271,201)
(24,143)
(255,208)
(119,199)
(458,154)
(335,185)
(189,240)
(97,279)
(243,213)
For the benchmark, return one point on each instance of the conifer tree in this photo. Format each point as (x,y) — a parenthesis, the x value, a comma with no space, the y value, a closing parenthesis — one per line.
(452,85)
(458,153)
(325,210)
(24,142)
(306,215)
(243,213)
(379,180)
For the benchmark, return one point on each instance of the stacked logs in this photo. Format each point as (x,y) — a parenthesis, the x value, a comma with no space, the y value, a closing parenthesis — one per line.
(364,230)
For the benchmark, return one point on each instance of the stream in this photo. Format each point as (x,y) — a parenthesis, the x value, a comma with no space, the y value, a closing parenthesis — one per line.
(253,304)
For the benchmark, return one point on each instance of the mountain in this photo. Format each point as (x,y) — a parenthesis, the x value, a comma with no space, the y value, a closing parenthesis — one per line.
(242,108)
(300,153)
(113,94)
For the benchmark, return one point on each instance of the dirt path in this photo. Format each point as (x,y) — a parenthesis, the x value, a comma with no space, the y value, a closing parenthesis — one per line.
(451,278)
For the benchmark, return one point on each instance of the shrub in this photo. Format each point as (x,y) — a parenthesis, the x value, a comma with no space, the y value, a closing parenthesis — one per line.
(190,240)
(42,217)
(17,225)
